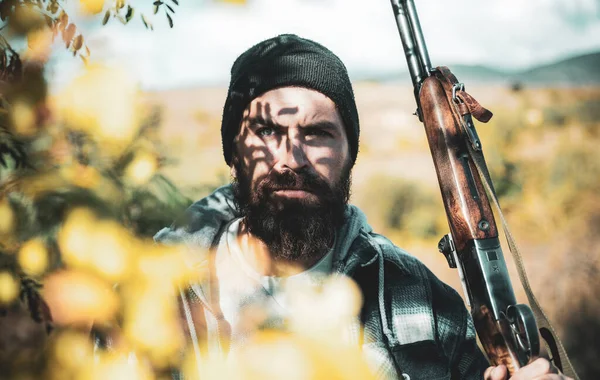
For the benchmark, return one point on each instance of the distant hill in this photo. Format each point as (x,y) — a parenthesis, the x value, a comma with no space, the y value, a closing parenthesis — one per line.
(576,71)
(479,74)
(580,70)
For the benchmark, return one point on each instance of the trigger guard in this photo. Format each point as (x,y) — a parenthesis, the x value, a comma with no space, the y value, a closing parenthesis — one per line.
(518,315)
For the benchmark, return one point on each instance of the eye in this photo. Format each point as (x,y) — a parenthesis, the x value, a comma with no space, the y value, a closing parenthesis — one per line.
(266,131)
(317,133)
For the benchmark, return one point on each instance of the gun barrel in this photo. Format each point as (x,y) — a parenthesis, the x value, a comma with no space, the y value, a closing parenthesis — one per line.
(413,41)
(418,33)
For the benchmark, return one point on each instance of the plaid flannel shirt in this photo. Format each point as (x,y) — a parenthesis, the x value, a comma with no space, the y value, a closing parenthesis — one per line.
(414,325)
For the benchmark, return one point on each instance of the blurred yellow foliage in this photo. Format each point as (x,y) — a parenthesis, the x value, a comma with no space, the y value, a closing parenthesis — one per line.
(142,168)
(23,118)
(148,276)
(217,367)
(103,103)
(92,6)
(7,217)
(100,246)
(72,238)
(9,288)
(116,366)
(151,323)
(33,257)
(166,265)
(110,249)
(72,351)
(275,355)
(39,42)
(79,298)
(82,175)
(41,183)
(26,18)
(279,355)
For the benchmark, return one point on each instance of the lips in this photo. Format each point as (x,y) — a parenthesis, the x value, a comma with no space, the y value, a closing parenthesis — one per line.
(291,189)
(293,193)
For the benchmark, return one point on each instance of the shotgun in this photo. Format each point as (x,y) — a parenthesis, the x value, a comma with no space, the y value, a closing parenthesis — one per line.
(509,332)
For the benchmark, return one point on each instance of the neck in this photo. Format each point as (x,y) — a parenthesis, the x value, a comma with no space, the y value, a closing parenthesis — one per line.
(261,259)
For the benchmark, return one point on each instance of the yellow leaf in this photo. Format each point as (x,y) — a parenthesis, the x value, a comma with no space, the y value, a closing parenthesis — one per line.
(23,117)
(79,298)
(142,168)
(151,322)
(39,42)
(73,350)
(78,42)
(9,288)
(7,217)
(92,7)
(33,257)
(99,246)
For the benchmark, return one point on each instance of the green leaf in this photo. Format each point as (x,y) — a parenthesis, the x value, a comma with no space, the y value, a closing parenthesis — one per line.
(106,17)
(175,2)
(156,8)
(170,20)
(129,14)
(158,3)
(171,9)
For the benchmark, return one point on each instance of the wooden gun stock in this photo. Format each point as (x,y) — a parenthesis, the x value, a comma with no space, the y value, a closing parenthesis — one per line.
(473,244)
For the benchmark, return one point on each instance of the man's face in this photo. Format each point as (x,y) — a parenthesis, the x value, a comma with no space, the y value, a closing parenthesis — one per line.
(292,129)
(292,171)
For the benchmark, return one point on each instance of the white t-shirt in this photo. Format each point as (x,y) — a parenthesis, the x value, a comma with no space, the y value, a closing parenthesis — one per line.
(242,290)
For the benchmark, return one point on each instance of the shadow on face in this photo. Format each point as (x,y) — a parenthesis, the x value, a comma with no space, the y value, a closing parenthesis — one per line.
(291,129)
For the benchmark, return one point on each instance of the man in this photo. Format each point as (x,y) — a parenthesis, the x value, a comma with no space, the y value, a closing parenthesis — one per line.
(290,134)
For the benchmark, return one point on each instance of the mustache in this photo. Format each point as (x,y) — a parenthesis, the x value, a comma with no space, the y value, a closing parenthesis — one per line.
(292,180)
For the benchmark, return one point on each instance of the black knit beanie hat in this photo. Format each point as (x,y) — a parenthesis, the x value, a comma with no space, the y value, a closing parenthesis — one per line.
(282,61)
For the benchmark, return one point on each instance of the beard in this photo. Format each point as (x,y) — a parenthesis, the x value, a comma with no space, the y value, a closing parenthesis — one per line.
(297,230)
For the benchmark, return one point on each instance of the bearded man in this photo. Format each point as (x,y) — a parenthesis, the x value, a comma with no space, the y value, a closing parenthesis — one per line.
(290,134)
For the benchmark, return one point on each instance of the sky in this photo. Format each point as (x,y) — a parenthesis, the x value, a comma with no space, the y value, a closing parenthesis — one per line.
(209,34)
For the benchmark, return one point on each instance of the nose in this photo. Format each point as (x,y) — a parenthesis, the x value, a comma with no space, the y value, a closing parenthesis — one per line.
(292,155)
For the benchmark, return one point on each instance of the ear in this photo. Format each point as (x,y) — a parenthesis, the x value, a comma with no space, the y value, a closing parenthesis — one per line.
(232,171)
